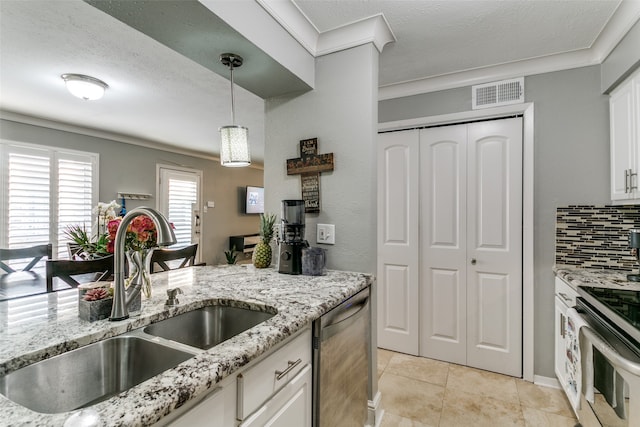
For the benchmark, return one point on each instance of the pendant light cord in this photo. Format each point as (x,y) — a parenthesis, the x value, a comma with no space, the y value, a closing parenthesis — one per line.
(233,104)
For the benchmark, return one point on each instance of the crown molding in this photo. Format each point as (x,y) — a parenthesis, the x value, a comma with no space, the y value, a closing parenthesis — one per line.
(621,21)
(624,17)
(527,67)
(374,29)
(294,21)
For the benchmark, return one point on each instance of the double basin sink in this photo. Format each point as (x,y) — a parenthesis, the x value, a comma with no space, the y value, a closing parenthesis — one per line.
(98,371)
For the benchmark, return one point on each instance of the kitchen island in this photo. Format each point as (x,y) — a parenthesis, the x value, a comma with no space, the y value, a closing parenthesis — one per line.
(39,327)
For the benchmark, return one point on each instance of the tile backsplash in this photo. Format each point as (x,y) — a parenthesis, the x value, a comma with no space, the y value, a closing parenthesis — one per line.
(596,236)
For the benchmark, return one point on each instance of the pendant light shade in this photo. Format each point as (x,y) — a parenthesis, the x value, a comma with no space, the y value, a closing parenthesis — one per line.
(234,146)
(234,140)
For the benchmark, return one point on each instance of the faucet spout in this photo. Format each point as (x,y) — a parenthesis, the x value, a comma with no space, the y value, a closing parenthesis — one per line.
(165,237)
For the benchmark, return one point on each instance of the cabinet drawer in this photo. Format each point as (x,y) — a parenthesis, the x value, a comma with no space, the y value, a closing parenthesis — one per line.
(258,383)
(565,292)
(291,406)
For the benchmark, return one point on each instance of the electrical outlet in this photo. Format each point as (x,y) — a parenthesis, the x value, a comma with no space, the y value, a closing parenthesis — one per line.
(326,234)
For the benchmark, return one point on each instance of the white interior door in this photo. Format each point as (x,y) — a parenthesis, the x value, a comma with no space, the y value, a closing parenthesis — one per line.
(443,194)
(494,242)
(398,241)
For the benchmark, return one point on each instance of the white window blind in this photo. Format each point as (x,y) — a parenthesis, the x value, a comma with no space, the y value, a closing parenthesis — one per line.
(42,191)
(28,202)
(75,196)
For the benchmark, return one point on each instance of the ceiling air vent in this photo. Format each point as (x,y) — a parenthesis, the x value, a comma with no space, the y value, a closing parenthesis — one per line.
(495,94)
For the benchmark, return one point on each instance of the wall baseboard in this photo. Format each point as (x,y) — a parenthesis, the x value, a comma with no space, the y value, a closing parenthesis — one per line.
(546,381)
(375,411)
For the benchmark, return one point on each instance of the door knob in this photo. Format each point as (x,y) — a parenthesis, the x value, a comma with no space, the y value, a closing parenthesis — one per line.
(473,261)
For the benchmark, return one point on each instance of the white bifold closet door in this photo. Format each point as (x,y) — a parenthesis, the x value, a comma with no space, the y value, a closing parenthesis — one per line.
(471,244)
(450,243)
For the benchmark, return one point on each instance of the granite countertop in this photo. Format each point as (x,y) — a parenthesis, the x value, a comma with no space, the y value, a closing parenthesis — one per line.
(613,279)
(38,327)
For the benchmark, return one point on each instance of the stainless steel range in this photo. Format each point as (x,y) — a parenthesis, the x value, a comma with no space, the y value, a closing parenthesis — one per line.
(612,337)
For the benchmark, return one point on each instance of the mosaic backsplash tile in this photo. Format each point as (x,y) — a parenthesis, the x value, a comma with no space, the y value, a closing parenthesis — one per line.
(596,236)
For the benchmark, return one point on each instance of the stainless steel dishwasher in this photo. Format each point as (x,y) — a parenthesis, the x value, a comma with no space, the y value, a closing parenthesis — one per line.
(340,363)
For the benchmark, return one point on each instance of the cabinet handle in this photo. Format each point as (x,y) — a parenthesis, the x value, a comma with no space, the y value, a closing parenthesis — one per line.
(631,176)
(626,181)
(562,327)
(281,374)
(474,261)
(564,297)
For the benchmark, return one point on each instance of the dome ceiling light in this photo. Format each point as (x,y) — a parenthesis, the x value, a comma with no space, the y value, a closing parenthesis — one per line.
(84,87)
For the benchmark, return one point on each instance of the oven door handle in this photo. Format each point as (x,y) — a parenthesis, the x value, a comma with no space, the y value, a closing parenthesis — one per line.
(611,354)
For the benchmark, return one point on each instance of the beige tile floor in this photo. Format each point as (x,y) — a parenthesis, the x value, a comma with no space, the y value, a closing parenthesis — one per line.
(420,392)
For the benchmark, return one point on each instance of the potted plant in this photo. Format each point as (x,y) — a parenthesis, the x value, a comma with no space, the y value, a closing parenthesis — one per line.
(231,255)
(95,304)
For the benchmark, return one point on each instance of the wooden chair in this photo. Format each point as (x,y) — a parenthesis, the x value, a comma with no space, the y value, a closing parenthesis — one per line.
(35,252)
(161,256)
(64,269)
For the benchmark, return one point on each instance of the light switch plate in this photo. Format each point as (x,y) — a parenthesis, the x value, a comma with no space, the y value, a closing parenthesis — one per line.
(326,234)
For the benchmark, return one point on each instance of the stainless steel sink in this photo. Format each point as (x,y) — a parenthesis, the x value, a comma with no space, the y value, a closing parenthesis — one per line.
(207,326)
(89,375)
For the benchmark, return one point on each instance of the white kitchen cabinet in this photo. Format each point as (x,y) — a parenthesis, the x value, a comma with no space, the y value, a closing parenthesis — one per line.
(624,114)
(278,385)
(275,390)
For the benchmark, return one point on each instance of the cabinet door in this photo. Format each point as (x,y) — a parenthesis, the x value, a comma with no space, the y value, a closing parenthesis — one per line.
(622,142)
(216,410)
(291,406)
(559,339)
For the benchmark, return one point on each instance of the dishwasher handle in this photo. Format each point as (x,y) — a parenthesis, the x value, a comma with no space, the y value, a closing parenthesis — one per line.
(356,311)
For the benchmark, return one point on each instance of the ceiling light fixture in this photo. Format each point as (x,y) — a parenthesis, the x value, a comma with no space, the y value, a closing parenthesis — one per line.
(84,87)
(234,140)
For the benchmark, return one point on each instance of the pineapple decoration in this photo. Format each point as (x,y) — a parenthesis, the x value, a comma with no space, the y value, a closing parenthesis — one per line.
(262,251)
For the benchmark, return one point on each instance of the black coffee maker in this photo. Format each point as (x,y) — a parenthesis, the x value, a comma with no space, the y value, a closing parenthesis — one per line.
(291,237)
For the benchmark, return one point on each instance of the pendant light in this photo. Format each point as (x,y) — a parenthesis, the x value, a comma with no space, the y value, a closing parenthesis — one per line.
(234,140)
(84,87)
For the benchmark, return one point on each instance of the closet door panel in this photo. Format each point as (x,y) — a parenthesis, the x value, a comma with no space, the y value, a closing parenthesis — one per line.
(494,227)
(443,237)
(398,245)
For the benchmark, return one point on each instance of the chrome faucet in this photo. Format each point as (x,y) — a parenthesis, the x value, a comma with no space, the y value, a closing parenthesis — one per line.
(165,237)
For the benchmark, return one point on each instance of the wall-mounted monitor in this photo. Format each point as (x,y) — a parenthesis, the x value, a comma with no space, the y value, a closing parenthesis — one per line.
(254,200)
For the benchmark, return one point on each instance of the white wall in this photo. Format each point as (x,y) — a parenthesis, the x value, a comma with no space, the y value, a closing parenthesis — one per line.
(342,113)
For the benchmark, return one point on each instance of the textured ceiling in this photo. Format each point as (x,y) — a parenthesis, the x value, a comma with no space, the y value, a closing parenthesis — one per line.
(442,37)
(154,94)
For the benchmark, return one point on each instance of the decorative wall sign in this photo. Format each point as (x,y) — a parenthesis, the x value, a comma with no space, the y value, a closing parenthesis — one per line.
(309,166)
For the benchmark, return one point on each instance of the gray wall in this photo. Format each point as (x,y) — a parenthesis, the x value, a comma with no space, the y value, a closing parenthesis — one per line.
(132,168)
(342,113)
(571,157)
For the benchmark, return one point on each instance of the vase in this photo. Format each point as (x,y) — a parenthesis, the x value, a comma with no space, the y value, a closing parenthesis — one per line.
(139,266)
